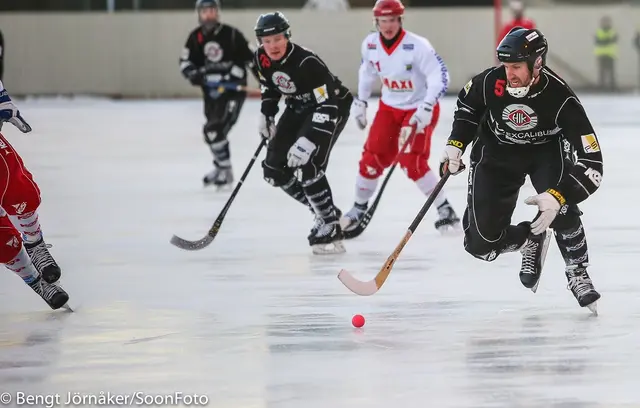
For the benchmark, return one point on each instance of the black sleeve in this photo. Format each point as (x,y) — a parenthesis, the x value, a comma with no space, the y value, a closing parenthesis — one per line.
(245,55)
(325,118)
(320,79)
(585,177)
(470,109)
(186,58)
(270,95)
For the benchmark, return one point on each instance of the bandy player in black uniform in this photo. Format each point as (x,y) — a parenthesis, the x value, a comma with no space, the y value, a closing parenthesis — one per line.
(526,121)
(215,58)
(317,109)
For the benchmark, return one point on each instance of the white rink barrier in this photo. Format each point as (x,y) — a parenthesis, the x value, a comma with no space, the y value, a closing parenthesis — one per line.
(132,54)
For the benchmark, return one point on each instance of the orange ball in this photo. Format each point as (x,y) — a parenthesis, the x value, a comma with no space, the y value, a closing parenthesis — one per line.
(357,321)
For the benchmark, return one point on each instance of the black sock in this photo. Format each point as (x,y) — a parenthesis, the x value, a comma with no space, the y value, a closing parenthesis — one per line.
(572,243)
(319,195)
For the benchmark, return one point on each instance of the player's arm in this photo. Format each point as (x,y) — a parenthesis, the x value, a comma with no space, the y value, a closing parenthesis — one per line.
(188,68)
(270,96)
(366,78)
(325,117)
(470,108)
(436,76)
(246,56)
(585,177)
(367,74)
(435,72)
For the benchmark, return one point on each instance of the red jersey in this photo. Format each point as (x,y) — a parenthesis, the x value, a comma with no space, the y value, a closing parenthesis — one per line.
(522,22)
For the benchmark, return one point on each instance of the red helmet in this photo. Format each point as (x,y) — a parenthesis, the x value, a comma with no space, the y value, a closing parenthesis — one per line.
(384,8)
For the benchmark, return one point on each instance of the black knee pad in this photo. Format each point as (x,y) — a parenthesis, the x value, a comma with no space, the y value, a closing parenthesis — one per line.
(568,218)
(275,177)
(215,132)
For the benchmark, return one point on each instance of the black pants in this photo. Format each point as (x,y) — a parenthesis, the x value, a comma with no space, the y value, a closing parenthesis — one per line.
(496,175)
(290,127)
(606,67)
(221,114)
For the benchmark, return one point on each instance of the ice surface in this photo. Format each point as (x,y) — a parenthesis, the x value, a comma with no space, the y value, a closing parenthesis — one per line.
(256,321)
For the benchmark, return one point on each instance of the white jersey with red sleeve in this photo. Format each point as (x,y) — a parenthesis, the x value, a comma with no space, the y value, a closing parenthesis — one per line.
(411,71)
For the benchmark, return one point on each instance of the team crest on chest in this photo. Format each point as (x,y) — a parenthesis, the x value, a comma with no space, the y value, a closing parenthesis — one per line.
(283,82)
(520,117)
(213,51)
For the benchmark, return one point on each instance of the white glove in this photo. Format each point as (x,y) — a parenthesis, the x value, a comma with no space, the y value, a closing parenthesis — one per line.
(10,113)
(300,152)
(548,207)
(359,112)
(405,132)
(422,117)
(267,127)
(451,160)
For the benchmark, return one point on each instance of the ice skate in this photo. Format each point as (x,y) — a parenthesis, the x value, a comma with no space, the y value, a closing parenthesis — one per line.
(43,261)
(353,217)
(220,177)
(327,240)
(534,253)
(54,295)
(582,288)
(318,222)
(448,221)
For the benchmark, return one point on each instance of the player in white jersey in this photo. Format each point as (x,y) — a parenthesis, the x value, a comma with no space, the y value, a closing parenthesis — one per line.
(413,77)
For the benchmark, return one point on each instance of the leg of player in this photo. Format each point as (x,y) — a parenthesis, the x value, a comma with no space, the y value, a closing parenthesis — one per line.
(310,156)
(15,257)
(222,114)
(567,225)
(21,200)
(274,166)
(380,149)
(491,200)
(415,163)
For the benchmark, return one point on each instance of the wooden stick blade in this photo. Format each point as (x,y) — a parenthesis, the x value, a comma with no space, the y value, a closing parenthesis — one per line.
(356,286)
(191,245)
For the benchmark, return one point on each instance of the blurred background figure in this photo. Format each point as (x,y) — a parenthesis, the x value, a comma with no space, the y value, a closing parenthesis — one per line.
(332,5)
(606,52)
(518,20)
(636,44)
(1,55)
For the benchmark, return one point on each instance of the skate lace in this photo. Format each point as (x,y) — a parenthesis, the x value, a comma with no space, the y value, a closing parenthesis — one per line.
(318,222)
(529,257)
(325,230)
(41,257)
(46,290)
(579,282)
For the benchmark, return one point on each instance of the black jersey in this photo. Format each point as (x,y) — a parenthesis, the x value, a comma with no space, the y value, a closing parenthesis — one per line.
(550,111)
(224,53)
(300,76)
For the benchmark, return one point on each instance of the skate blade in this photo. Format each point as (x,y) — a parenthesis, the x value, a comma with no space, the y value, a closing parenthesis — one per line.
(329,249)
(593,307)
(450,230)
(67,308)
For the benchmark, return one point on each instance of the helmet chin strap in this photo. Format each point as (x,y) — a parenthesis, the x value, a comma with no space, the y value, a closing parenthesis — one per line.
(523,91)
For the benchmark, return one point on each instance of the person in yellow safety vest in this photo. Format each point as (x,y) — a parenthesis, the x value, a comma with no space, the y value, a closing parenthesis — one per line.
(606,51)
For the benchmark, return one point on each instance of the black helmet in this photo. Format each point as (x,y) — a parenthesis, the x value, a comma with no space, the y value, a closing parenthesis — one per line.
(200,4)
(271,24)
(522,45)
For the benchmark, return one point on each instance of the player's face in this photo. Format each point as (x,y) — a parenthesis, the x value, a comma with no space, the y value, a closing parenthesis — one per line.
(208,15)
(389,26)
(275,46)
(518,74)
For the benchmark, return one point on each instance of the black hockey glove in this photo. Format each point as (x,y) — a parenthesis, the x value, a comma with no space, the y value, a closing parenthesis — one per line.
(194,75)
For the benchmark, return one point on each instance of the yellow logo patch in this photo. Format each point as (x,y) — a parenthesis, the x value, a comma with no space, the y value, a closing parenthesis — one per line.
(590,143)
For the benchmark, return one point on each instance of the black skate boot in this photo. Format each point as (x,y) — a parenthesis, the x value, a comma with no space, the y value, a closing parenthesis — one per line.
(328,238)
(353,217)
(318,222)
(534,253)
(43,261)
(449,221)
(581,286)
(54,295)
(219,177)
